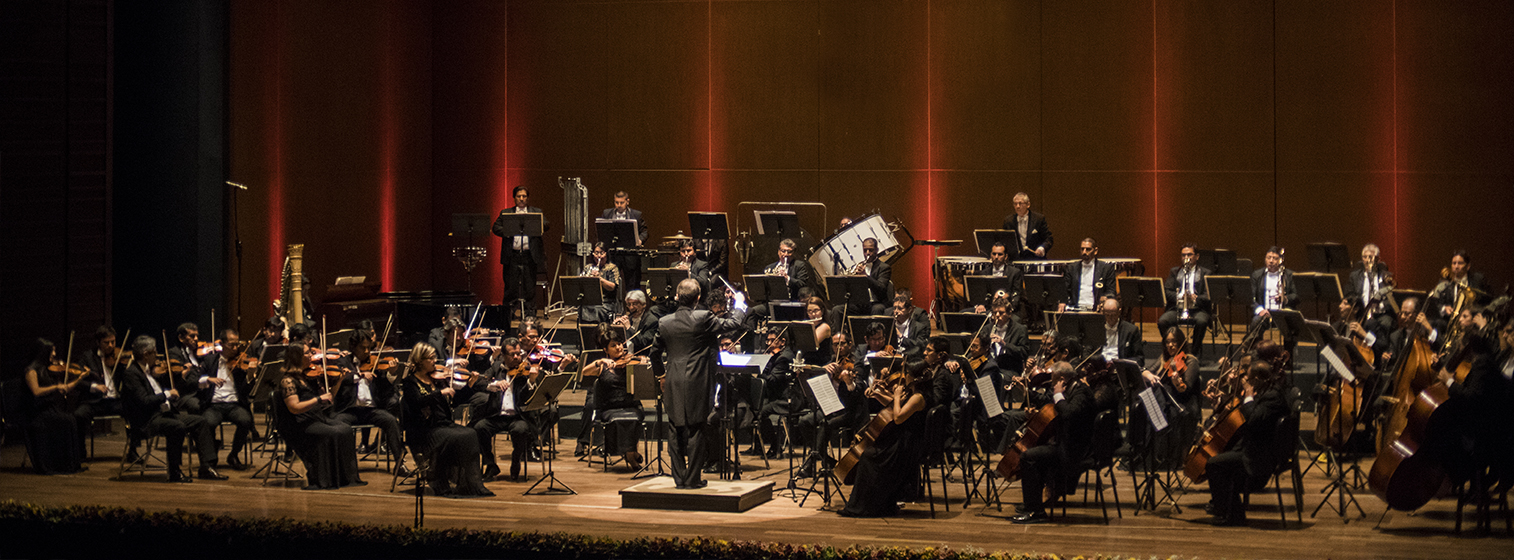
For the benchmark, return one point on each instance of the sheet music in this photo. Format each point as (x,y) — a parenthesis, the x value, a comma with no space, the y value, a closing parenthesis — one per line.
(1153,409)
(989,396)
(1335,362)
(825,394)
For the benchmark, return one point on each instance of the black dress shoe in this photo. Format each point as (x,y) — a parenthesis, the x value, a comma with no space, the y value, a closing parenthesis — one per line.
(1209,508)
(177,475)
(1032,518)
(491,471)
(775,454)
(1230,521)
(358,483)
(535,456)
(753,451)
(209,473)
(401,471)
(580,450)
(235,464)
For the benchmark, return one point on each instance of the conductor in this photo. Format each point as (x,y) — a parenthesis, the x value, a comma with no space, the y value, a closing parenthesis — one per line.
(690,340)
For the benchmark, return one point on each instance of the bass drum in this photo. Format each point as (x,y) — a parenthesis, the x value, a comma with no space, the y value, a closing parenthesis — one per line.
(951,279)
(842,251)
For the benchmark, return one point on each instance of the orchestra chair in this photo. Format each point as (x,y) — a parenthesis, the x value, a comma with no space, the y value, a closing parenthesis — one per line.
(379,453)
(1100,463)
(280,464)
(938,427)
(1286,435)
(413,477)
(147,460)
(1485,488)
(108,419)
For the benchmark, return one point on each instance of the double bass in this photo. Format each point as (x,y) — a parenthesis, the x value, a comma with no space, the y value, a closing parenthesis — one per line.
(875,428)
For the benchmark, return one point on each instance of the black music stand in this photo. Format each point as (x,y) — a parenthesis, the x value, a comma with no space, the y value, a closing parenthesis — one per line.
(617,234)
(581,291)
(526,223)
(1219,261)
(1232,291)
(730,375)
(1045,291)
(1321,289)
(801,334)
(644,386)
(544,397)
(851,291)
(1087,327)
(986,239)
(764,287)
(1142,293)
(963,322)
(822,476)
(1400,295)
(1326,257)
(1289,322)
(778,223)
(709,225)
(1346,477)
(860,323)
(982,289)
(788,311)
(662,282)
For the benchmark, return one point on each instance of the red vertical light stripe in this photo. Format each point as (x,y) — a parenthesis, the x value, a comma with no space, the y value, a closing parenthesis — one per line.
(490,277)
(387,129)
(1156,196)
(709,105)
(1393,22)
(275,147)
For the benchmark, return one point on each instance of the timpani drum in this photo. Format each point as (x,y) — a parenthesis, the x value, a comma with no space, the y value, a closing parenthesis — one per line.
(1042,266)
(951,279)
(1127,267)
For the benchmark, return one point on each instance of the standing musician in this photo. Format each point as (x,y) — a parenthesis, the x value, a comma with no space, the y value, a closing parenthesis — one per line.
(889,471)
(324,444)
(1272,288)
(629,264)
(911,325)
(1087,279)
(1188,297)
(689,338)
(366,396)
(609,274)
(1046,469)
(1253,454)
(513,381)
(777,389)
(522,255)
(149,397)
(51,438)
(1454,281)
(105,362)
(843,376)
(1175,378)
(225,395)
(1032,235)
(446,451)
(614,405)
(1122,339)
(1364,284)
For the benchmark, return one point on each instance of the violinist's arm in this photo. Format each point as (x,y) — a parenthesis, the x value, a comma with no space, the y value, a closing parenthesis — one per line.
(296,406)
(37,389)
(909,407)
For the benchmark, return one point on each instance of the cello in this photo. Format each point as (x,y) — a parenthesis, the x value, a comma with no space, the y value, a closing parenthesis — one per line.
(875,428)
(1227,419)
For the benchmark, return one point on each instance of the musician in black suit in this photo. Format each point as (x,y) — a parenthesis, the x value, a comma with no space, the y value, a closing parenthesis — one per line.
(777,391)
(880,279)
(225,395)
(969,413)
(713,251)
(366,397)
(149,402)
(1455,279)
(629,264)
(1411,320)
(1032,235)
(1122,339)
(688,259)
(798,277)
(102,395)
(1009,342)
(911,326)
(1187,290)
(1088,279)
(522,256)
(186,350)
(1272,288)
(1072,435)
(1367,281)
(1480,425)
(690,339)
(999,266)
(1253,455)
(504,410)
(850,389)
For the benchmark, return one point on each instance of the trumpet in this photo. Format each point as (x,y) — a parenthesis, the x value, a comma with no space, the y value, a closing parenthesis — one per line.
(1277,296)
(1187,295)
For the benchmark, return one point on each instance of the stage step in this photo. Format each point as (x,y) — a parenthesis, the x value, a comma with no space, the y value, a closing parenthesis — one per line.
(731,496)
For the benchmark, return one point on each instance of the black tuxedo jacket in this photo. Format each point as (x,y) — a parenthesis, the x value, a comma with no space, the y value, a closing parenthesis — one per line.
(537,253)
(691,340)
(1103,276)
(1129,342)
(800,276)
(139,403)
(1259,289)
(1037,235)
(880,278)
(211,366)
(1257,437)
(1175,280)
(520,388)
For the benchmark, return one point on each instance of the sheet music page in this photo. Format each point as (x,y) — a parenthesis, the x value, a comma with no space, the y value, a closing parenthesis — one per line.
(1335,362)
(989,396)
(825,394)
(1153,410)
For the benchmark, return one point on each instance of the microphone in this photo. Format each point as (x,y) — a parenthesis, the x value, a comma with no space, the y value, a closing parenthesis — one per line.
(237,185)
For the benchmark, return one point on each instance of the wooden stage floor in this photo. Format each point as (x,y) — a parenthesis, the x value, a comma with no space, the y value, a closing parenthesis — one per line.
(595,510)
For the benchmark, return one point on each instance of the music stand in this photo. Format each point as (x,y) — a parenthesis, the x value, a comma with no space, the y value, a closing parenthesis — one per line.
(1288,322)
(962,322)
(1087,327)
(1323,289)
(1326,257)
(617,234)
(817,402)
(581,291)
(778,223)
(661,282)
(1142,293)
(643,384)
(982,289)
(1218,261)
(764,287)
(784,311)
(986,238)
(801,334)
(734,368)
(1045,290)
(1346,477)
(860,323)
(709,225)
(1401,295)
(546,396)
(852,291)
(1233,291)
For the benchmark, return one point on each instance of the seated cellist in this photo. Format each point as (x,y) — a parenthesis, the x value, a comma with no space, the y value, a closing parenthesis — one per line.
(1253,454)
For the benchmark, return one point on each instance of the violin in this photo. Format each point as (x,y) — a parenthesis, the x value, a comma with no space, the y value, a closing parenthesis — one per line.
(379,365)
(204,349)
(542,352)
(1173,369)
(114,358)
(69,371)
(326,364)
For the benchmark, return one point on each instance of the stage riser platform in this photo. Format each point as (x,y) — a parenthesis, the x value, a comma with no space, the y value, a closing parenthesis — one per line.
(728,496)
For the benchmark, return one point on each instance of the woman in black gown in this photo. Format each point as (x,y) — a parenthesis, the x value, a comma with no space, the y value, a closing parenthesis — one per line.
(51,433)
(451,450)
(1176,381)
(889,471)
(614,405)
(327,447)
